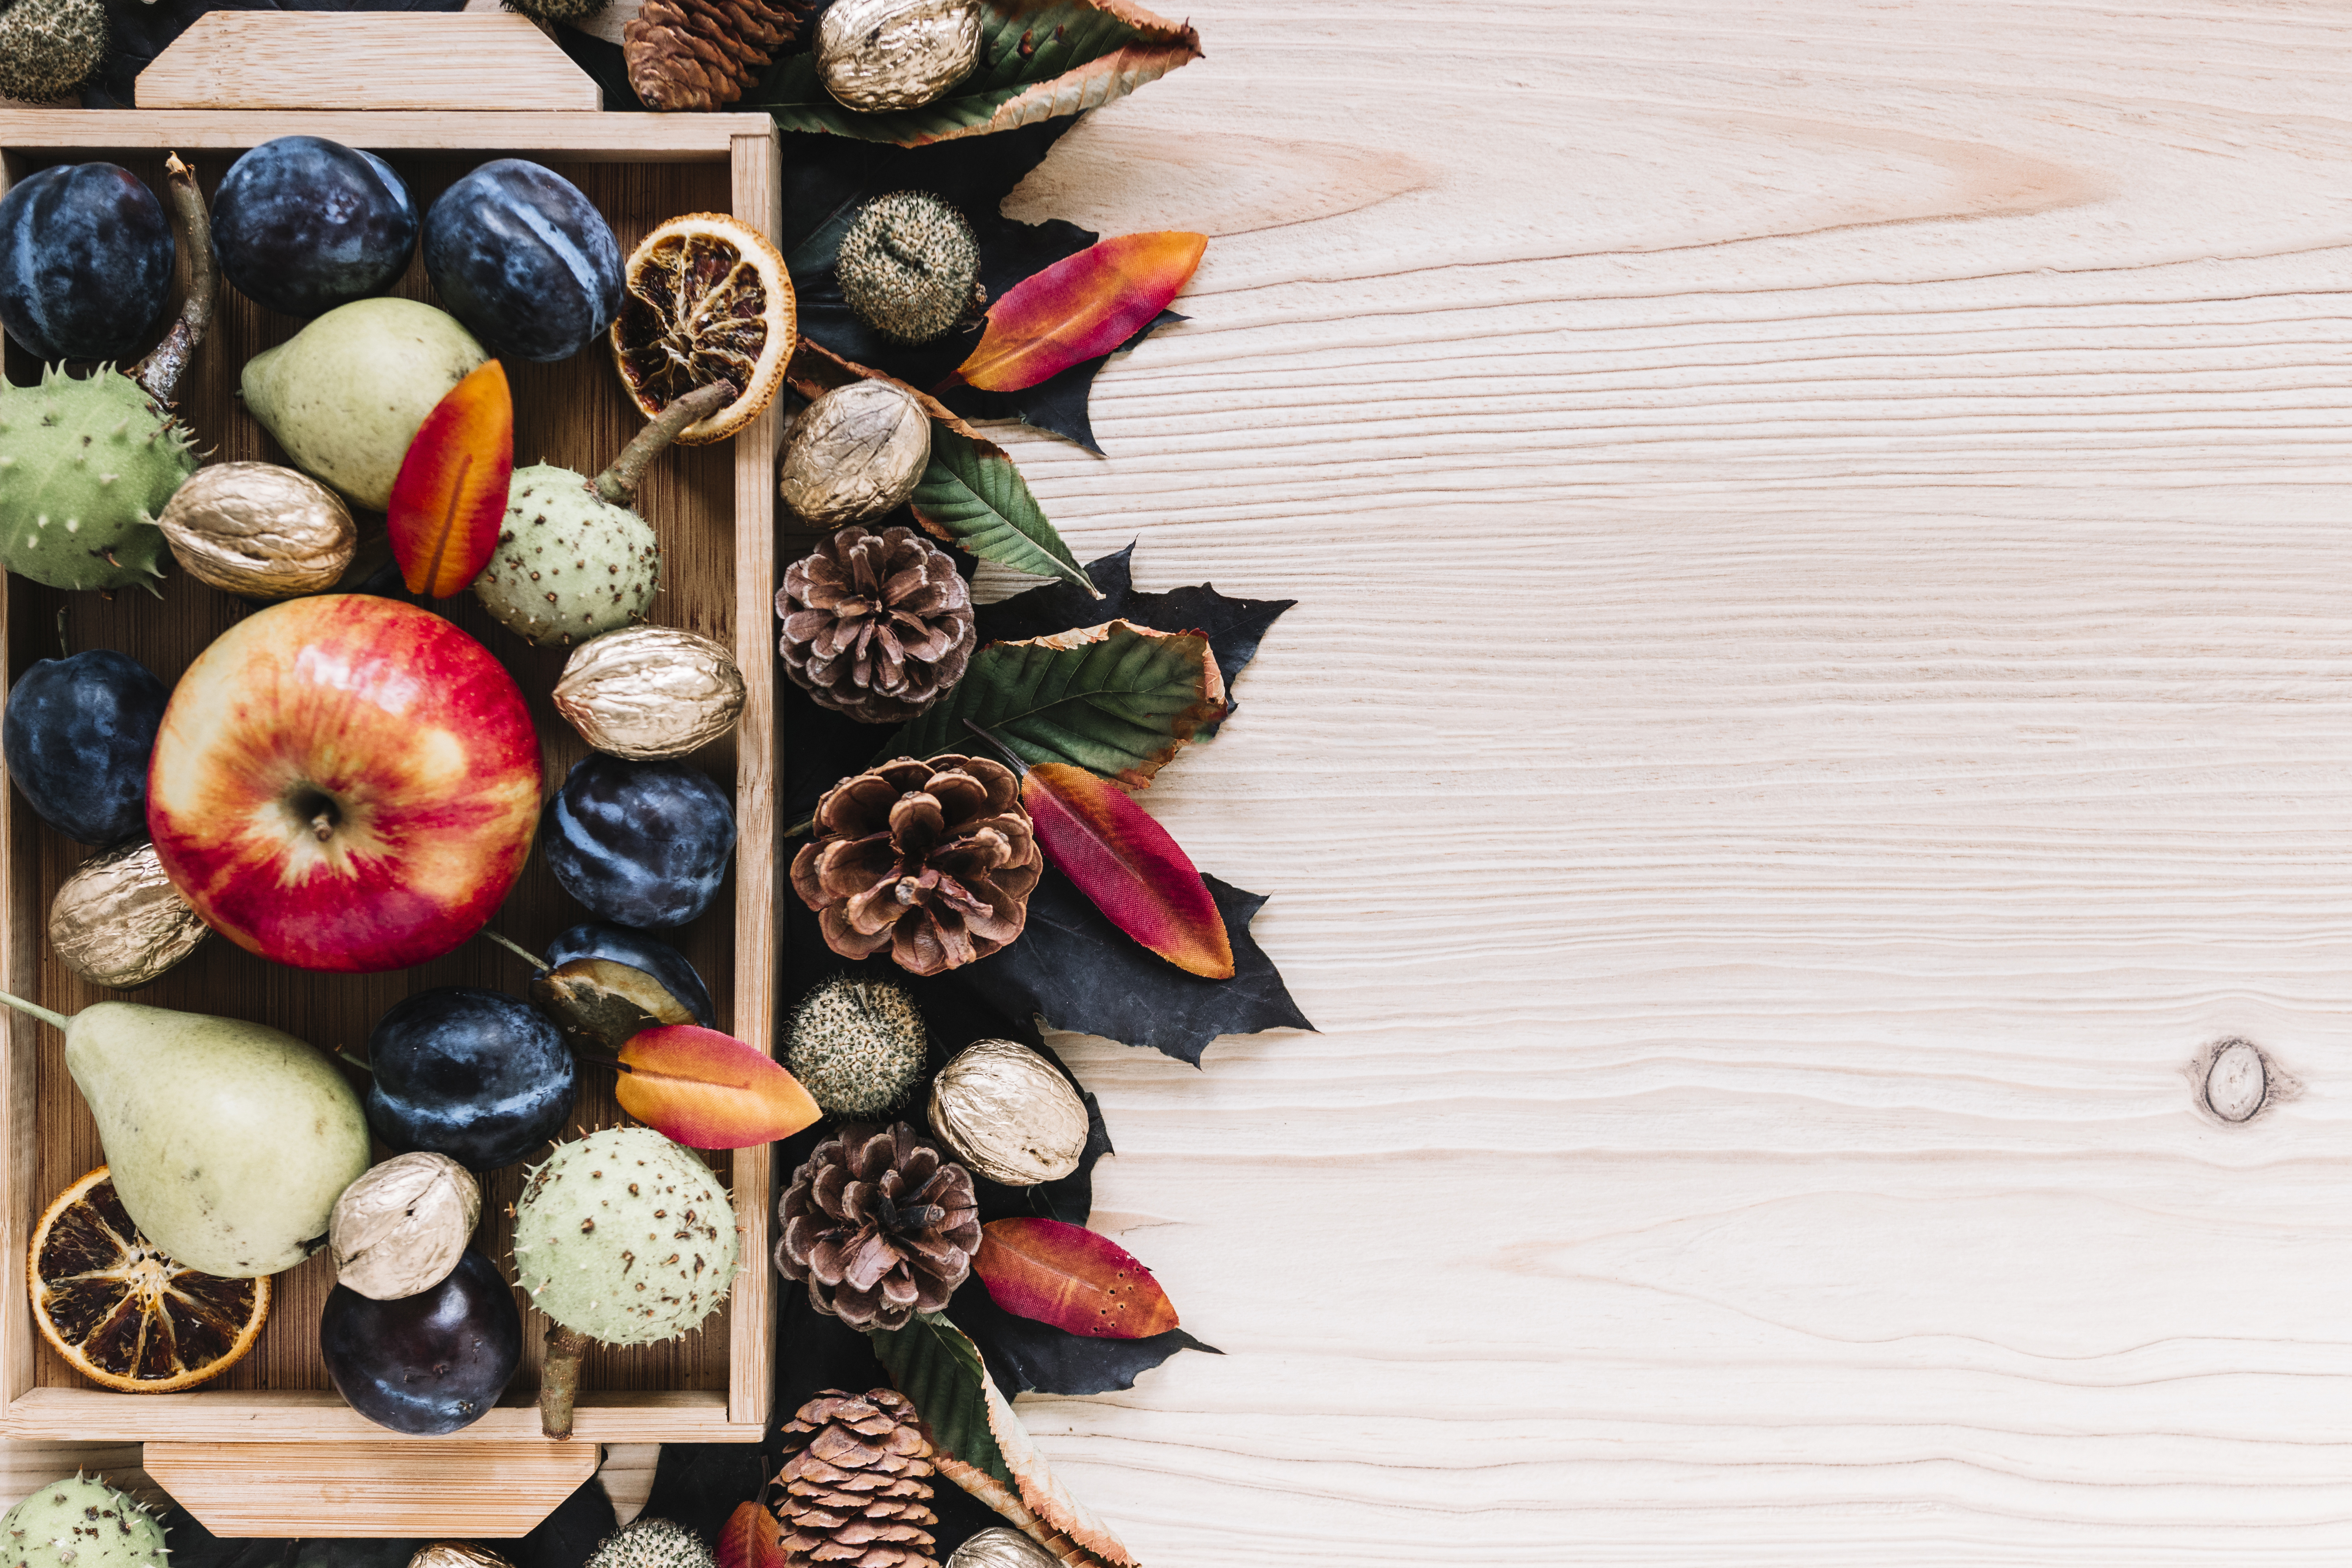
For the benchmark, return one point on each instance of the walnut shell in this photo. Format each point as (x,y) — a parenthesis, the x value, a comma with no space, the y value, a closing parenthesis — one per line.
(1005,1112)
(644,692)
(402,1226)
(856,452)
(997,1547)
(118,921)
(259,530)
(455,1554)
(896,54)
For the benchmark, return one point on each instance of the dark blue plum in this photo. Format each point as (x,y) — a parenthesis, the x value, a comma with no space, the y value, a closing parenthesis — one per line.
(639,951)
(524,261)
(303,225)
(86,257)
(644,843)
(476,1075)
(428,1364)
(76,739)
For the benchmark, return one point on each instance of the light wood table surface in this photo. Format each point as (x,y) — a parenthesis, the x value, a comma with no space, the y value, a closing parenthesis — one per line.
(1824,680)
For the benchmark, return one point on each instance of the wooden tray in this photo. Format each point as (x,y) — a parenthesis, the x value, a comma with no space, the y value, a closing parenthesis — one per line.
(712,507)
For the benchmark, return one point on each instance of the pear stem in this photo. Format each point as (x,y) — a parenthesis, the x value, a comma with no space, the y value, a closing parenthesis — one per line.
(559,1379)
(519,951)
(159,373)
(56,1020)
(618,484)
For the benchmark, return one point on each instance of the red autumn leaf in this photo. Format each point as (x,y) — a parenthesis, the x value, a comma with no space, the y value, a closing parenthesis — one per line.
(709,1091)
(451,493)
(1082,307)
(751,1539)
(1070,1277)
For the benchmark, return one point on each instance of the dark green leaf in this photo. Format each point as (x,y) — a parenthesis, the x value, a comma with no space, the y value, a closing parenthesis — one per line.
(1116,699)
(933,1364)
(1038,59)
(1233,626)
(972,494)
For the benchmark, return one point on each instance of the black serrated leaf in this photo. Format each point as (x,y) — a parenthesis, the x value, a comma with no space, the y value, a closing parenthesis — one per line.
(1077,970)
(1060,402)
(1233,626)
(1024,1354)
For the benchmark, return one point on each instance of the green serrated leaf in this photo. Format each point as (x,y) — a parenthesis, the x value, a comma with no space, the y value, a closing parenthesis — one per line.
(972,495)
(1117,699)
(1038,59)
(934,1365)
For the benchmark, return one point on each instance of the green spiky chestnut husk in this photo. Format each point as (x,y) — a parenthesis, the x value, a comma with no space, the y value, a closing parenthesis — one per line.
(858,1046)
(86,465)
(653,1543)
(569,564)
(81,1523)
(625,1237)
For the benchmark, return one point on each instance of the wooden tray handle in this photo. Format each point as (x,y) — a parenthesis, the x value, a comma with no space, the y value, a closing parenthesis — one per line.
(416,1487)
(457,60)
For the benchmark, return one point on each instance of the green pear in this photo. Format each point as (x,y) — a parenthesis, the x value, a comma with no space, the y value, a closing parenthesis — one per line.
(345,395)
(229,1142)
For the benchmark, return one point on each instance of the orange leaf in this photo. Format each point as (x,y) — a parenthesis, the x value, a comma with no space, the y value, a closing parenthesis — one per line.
(751,1539)
(709,1091)
(451,493)
(1072,1278)
(1080,308)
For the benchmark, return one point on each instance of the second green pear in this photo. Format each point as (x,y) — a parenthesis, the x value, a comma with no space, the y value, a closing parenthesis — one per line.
(229,1142)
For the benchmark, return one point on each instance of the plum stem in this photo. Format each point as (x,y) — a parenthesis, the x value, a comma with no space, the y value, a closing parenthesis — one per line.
(355,1060)
(559,1379)
(58,1019)
(519,951)
(159,373)
(618,484)
(64,649)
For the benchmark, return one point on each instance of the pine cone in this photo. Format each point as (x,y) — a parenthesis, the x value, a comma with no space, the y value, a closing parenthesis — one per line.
(881,1224)
(876,625)
(703,54)
(856,1480)
(932,859)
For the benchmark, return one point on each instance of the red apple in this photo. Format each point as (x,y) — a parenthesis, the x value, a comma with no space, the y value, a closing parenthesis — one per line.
(344,783)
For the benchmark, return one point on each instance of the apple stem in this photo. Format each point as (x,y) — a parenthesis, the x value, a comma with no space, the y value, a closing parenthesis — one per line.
(519,951)
(57,1019)
(618,484)
(559,1379)
(322,827)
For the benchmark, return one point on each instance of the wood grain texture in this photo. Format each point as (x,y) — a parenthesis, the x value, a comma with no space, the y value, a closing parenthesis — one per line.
(377,1489)
(333,60)
(1821,687)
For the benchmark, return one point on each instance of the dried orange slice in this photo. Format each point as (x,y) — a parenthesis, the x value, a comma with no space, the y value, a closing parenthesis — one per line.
(707,301)
(124,1314)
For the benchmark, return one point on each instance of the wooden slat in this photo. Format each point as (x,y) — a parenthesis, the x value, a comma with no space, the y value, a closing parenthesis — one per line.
(448,1486)
(19,1070)
(757,877)
(461,61)
(92,1414)
(604,138)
